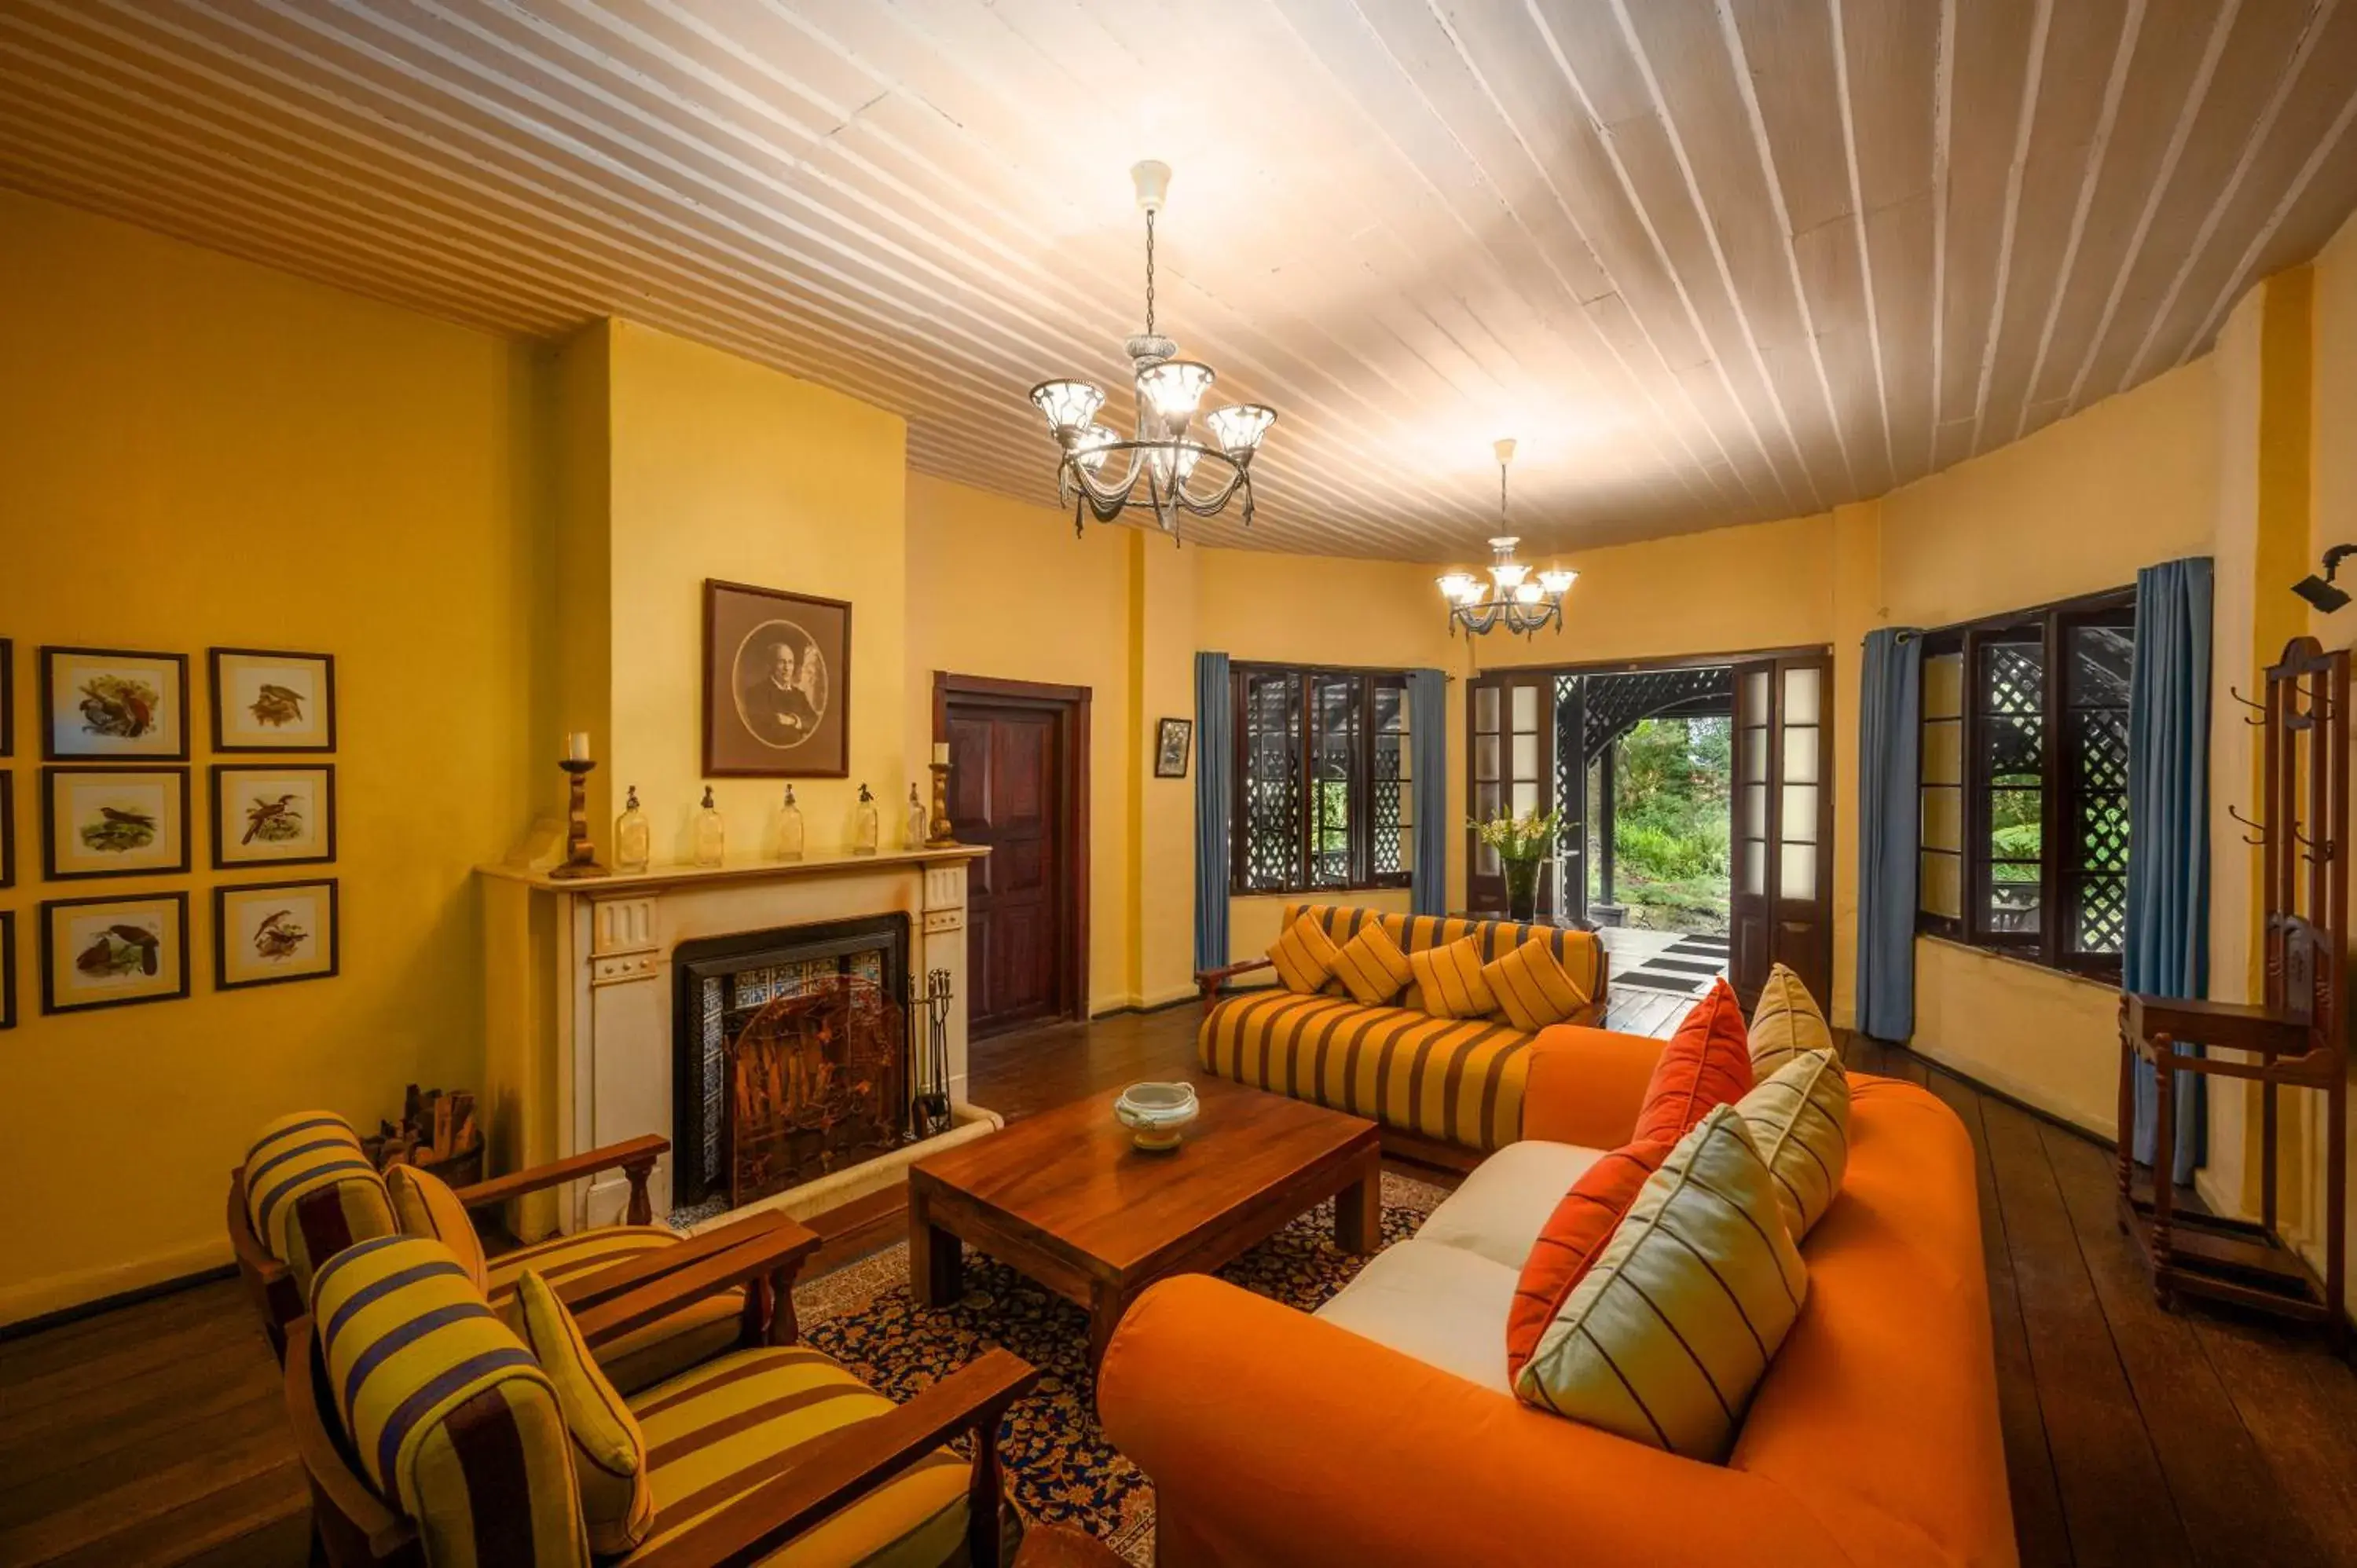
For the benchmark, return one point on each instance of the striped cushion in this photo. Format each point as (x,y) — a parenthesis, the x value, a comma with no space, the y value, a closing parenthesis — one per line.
(1451,980)
(1665,1339)
(1572,1240)
(1800,1119)
(609,1453)
(1460,1082)
(445,1409)
(662,1348)
(424,1205)
(1371,966)
(310,1192)
(1304,955)
(715,1432)
(1579,952)
(1532,987)
(1785,1022)
(1704,1065)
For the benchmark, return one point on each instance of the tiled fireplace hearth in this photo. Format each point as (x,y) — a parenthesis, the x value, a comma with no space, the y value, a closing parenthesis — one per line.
(596,1007)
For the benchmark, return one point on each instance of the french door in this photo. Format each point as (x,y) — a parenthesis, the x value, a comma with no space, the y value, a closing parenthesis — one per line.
(1511,768)
(1780,891)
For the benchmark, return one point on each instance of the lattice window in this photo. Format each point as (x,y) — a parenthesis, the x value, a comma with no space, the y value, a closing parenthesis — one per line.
(1269,724)
(2096,856)
(1389,810)
(1322,783)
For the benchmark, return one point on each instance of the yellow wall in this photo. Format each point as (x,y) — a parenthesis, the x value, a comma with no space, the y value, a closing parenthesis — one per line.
(199,452)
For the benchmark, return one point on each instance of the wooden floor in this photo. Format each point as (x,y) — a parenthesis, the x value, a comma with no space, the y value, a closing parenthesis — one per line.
(153,1434)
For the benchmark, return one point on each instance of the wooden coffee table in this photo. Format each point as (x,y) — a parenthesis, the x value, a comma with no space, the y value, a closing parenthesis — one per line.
(1066,1198)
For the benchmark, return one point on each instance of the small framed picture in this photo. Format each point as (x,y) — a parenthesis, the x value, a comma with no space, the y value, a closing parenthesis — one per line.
(108,704)
(273,816)
(113,821)
(777,684)
(113,952)
(1171,739)
(8,698)
(271,932)
(7,969)
(273,702)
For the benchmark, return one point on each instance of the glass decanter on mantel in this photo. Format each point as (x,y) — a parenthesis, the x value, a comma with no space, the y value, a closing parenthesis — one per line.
(789,827)
(913,822)
(711,833)
(866,824)
(633,839)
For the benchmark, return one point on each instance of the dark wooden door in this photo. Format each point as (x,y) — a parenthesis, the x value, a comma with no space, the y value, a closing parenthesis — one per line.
(1016,754)
(1781,901)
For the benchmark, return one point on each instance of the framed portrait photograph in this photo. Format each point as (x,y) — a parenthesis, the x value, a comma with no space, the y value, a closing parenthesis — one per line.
(777,684)
(113,821)
(273,702)
(7,969)
(1171,739)
(113,952)
(273,816)
(107,704)
(268,933)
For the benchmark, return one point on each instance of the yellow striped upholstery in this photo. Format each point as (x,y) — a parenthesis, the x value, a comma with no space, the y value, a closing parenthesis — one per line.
(1371,966)
(1666,1338)
(1459,1080)
(1532,989)
(310,1192)
(424,1206)
(1581,955)
(1304,955)
(1799,1119)
(445,1409)
(714,1433)
(1785,1022)
(609,1453)
(664,1347)
(1448,979)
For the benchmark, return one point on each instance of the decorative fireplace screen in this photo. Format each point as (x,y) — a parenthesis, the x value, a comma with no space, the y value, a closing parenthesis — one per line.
(816,1081)
(725,984)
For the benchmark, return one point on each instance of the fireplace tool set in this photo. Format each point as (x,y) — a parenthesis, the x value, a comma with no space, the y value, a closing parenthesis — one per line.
(929,1108)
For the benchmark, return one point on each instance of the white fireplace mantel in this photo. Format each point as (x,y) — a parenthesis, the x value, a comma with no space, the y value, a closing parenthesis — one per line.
(581,995)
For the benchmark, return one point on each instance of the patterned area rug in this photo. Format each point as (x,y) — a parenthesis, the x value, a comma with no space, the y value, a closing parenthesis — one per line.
(1057,1464)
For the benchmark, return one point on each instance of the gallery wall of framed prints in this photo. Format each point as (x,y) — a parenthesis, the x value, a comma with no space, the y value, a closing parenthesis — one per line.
(116,801)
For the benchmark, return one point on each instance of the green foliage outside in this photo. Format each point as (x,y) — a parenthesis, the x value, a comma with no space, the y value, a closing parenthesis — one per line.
(1670,830)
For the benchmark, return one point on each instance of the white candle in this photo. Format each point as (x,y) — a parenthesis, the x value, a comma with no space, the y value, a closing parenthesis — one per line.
(941,752)
(577,745)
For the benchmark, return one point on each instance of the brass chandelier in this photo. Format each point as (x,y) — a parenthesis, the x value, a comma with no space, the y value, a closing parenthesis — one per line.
(1512,597)
(1162,470)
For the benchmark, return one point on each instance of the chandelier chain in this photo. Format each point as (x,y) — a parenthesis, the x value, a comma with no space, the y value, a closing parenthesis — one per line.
(1149,271)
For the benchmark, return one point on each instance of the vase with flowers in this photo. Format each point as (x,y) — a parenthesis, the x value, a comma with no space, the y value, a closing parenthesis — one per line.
(1522,846)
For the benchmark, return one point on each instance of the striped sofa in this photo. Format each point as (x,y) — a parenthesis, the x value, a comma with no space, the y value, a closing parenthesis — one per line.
(1444,1089)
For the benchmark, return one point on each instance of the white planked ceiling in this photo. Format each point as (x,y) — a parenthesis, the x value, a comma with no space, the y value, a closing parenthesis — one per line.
(1709,261)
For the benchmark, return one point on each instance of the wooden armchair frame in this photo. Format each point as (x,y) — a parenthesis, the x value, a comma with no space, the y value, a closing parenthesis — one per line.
(271,1285)
(359,1530)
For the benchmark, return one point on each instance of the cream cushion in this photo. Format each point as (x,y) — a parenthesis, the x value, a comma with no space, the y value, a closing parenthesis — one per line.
(1500,1209)
(1786,1021)
(1799,1119)
(1442,1305)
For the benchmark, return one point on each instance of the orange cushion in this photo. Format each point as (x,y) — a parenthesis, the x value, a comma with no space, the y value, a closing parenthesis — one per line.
(1707,1062)
(1572,1240)
(1449,980)
(1304,955)
(1372,967)
(1532,987)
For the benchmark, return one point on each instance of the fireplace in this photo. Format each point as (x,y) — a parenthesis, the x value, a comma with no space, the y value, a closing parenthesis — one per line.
(790,1057)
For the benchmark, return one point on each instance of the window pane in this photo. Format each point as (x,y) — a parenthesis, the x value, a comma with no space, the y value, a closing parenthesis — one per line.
(1485,709)
(1272,782)
(1944,818)
(2013,749)
(1798,878)
(1335,739)
(1387,838)
(1526,708)
(2102,918)
(1800,696)
(1943,752)
(2095,734)
(1754,866)
(1801,756)
(2100,658)
(1941,892)
(1753,742)
(1943,685)
(1801,813)
(1526,756)
(2012,900)
(1754,824)
(1485,757)
(2015,826)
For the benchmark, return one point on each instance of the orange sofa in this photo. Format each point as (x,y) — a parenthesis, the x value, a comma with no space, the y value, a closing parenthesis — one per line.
(1275,1437)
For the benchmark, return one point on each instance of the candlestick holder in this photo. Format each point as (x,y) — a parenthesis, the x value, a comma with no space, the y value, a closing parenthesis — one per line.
(580,854)
(941,836)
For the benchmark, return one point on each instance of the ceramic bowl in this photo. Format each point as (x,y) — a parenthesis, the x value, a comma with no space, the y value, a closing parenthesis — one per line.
(1155,1114)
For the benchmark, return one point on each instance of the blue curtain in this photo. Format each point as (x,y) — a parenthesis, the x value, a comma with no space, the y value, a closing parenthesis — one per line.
(1427,738)
(1890,711)
(2168,944)
(1215,780)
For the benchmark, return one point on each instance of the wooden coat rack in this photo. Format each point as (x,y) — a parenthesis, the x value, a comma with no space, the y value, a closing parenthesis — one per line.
(2293,1039)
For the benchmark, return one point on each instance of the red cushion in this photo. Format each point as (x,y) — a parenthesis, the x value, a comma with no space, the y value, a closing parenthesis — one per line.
(1571,1241)
(1707,1063)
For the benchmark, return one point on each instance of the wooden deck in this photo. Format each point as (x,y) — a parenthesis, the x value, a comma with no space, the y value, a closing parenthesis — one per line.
(153,1434)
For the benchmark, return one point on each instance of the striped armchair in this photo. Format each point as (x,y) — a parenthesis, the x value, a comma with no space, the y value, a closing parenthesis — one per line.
(1445,1091)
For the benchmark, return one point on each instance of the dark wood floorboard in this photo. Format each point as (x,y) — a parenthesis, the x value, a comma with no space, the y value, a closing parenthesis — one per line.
(151,1437)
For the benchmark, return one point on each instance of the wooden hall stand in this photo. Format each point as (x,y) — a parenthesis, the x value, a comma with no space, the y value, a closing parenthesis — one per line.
(2295,1038)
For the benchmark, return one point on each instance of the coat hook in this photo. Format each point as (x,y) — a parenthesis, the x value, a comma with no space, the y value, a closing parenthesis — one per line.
(2254,827)
(2260,708)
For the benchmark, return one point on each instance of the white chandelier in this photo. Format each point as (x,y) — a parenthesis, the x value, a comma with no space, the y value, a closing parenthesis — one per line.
(1512,596)
(1177,473)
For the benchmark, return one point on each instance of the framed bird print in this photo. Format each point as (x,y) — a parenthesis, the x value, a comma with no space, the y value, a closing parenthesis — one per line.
(271,932)
(113,952)
(113,821)
(273,816)
(273,702)
(7,970)
(106,704)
